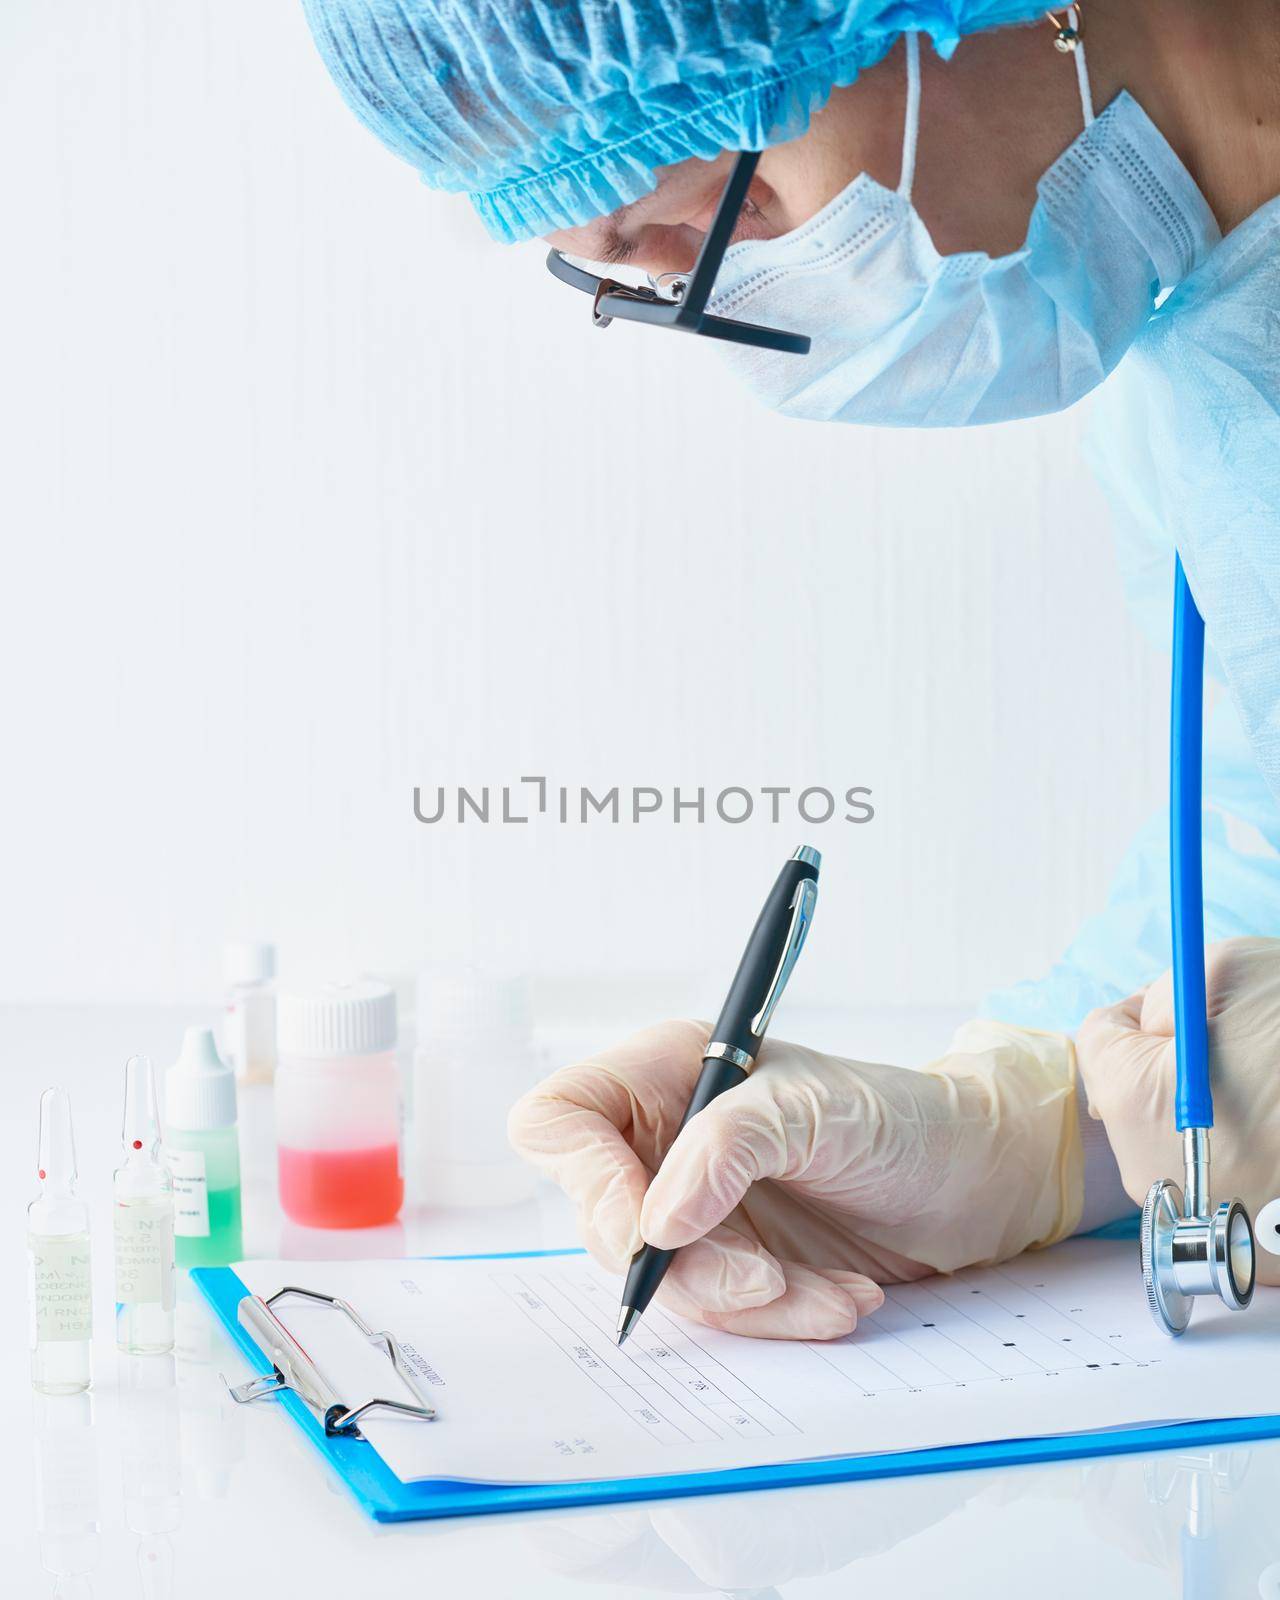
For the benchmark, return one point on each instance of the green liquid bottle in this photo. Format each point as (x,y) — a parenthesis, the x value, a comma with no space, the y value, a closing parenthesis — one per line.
(202,1150)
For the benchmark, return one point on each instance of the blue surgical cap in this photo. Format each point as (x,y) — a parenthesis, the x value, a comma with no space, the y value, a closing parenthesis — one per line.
(552,112)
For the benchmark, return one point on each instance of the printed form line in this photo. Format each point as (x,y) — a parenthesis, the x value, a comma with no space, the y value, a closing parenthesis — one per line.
(612,1390)
(615,1354)
(1039,1348)
(1110,1349)
(677,1338)
(642,1378)
(702,1350)
(680,1335)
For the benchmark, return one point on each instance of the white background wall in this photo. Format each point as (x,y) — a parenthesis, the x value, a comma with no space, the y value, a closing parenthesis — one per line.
(310,494)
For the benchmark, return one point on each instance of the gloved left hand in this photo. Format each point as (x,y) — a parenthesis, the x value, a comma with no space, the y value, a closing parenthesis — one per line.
(1128,1059)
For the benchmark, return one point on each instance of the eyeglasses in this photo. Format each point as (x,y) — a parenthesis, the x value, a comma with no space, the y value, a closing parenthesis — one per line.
(681,302)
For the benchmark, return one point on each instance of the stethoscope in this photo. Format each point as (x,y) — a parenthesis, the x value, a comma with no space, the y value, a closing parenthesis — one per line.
(1190,1246)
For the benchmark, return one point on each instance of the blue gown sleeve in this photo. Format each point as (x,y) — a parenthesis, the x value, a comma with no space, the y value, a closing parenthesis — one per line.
(1186,440)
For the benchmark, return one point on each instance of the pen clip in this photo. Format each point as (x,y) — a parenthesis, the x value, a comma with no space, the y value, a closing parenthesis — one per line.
(802,904)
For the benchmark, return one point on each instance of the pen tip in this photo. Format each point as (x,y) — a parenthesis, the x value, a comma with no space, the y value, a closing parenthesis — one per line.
(627,1319)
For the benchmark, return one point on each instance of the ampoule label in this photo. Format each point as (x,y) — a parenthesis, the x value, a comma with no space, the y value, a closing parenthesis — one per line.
(190,1193)
(144,1252)
(61,1296)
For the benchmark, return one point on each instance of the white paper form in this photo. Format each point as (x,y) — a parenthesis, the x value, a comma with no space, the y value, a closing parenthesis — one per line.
(519,1357)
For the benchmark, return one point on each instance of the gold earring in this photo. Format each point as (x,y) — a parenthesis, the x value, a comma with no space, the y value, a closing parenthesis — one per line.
(1066,33)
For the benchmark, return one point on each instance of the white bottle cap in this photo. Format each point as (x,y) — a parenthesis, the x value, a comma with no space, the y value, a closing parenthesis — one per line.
(465,1000)
(200,1087)
(338,1019)
(248,961)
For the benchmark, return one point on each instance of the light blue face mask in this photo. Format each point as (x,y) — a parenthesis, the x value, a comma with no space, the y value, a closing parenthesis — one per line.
(905,337)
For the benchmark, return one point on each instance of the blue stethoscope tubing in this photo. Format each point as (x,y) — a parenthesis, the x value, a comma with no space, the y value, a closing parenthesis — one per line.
(1189,1246)
(1194,1098)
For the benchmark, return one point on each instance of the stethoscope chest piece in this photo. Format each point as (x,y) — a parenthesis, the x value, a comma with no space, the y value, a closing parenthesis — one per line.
(1160,1216)
(1185,1255)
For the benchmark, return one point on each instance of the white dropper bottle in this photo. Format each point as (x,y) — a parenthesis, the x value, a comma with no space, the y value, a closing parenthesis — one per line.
(58,1256)
(143,1217)
(202,1152)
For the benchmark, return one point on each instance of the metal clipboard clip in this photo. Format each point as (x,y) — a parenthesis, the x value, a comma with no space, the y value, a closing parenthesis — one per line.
(293,1369)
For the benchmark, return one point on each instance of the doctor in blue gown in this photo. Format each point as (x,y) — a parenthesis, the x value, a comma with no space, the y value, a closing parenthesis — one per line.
(976,213)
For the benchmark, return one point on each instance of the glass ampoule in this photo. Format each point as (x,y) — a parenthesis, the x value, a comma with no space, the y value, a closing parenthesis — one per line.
(142,1213)
(58,1258)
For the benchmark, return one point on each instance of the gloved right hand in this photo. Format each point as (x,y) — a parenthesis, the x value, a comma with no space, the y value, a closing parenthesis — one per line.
(795,1194)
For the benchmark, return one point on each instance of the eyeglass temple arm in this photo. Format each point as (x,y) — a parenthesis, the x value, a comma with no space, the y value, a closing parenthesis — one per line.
(703,276)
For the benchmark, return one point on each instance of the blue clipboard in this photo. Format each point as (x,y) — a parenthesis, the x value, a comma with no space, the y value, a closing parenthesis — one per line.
(387,1499)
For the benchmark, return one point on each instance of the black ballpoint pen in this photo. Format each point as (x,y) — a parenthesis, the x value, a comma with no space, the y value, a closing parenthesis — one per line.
(771,953)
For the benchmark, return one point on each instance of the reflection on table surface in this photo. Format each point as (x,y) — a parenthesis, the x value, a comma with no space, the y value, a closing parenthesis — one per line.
(1199,1522)
(155,1485)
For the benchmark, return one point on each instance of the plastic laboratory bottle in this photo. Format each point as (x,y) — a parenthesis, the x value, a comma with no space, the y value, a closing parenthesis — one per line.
(202,1153)
(249,1020)
(473,1058)
(142,1215)
(61,1293)
(338,1106)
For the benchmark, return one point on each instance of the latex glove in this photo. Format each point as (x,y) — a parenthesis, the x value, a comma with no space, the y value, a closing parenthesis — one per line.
(1127,1060)
(796,1193)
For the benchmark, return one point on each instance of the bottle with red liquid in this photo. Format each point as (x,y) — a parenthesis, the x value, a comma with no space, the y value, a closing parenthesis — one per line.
(338,1106)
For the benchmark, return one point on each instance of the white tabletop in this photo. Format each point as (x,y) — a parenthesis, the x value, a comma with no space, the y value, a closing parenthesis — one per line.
(156,1485)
